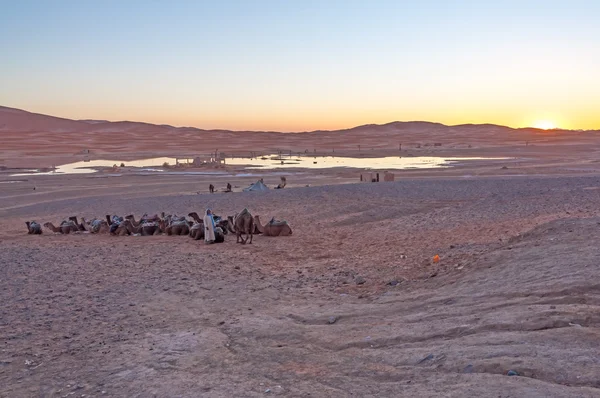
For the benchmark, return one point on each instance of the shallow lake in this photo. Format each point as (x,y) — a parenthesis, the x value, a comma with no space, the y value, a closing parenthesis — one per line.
(268,162)
(326,162)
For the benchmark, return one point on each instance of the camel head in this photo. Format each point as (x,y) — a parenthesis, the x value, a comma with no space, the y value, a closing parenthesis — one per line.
(195,216)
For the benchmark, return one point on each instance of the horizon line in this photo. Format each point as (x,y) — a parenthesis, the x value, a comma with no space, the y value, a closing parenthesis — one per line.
(85,120)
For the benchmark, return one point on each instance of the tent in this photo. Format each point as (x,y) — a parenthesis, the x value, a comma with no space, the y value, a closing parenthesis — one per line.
(258,186)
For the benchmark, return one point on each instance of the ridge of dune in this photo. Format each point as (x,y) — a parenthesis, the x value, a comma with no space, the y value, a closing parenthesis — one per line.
(27,134)
(18,120)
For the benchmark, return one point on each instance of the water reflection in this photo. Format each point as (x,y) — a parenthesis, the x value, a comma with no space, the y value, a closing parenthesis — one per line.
(325,162)
(85,166)
(267,162)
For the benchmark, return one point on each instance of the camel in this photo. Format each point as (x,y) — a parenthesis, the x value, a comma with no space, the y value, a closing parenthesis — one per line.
(219,222)
(197,231)
(117,225)
(243,223)
(219,235)
(96,225)
(147,228)
(80,226)
(273,227)
(144,218)
(230,225)
(65,227)
(174,225)
(33,228)
(196,217)
(282,184)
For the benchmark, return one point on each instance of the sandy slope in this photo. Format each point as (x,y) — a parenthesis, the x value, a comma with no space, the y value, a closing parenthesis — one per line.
(166,316)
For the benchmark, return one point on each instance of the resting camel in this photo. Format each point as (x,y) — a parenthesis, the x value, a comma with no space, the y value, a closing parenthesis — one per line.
(147,228)
(273,227)
(174,225)
(96,225)
(117,225)
(196,217)
(243,223)
(147,225)
(219,235)
(33,228)
(65,227)
(145,218)
(197,231)
(219,222)
(80,227)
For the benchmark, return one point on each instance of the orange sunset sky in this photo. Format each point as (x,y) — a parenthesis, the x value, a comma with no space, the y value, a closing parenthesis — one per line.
(297,66)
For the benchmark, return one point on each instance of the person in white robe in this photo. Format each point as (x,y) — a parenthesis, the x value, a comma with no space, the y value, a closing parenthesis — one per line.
(209,227)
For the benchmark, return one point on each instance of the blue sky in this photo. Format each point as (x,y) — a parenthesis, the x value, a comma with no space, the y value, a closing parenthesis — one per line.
(303,65)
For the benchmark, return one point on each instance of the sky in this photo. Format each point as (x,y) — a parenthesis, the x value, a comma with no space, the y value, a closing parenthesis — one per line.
(301,65)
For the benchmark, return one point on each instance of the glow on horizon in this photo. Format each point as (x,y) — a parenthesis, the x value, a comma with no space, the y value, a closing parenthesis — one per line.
(303,66)
(545,125)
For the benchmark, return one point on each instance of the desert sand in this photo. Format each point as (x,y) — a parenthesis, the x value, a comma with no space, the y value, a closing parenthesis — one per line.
(331,311)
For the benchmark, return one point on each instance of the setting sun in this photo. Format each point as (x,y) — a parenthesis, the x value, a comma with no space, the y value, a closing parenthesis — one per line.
(544,125)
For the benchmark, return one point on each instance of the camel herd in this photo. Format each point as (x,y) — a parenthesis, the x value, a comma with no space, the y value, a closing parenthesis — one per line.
(242,224)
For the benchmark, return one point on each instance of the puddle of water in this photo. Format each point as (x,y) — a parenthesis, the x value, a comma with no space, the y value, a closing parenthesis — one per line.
(85,167)
(325,162)
(267,162)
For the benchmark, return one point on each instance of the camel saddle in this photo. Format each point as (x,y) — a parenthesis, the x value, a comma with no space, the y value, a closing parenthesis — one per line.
(175,220)
(95,225)
(150,219)
(277,223)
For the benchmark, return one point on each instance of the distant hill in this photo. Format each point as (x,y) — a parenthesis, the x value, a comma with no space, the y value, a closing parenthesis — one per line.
(17,120)
(35,134)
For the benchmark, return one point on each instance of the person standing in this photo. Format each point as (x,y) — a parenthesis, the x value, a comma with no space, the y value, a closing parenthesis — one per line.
(209,226)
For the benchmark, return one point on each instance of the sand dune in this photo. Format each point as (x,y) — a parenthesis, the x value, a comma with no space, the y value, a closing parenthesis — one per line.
(32,134)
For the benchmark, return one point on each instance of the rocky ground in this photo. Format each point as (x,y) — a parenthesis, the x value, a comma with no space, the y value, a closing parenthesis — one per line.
(350,305)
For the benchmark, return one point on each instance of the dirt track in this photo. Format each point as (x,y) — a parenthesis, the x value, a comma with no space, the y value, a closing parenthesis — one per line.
(166,316)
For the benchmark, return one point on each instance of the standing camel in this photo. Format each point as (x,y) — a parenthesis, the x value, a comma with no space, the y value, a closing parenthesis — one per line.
(243,223)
